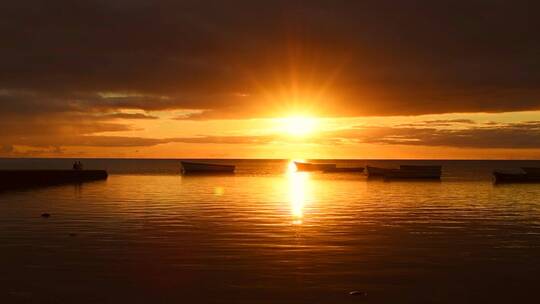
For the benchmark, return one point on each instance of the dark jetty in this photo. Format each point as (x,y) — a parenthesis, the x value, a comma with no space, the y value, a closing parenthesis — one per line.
(16,179)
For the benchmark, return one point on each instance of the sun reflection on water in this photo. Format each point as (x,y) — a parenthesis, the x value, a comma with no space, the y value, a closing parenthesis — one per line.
(299,192)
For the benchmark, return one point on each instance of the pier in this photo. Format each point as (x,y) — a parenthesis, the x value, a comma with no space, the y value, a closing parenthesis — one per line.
(17,179)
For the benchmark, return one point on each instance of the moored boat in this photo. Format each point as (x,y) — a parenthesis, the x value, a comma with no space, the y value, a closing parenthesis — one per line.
(529,175)
(300,166)
(206,168)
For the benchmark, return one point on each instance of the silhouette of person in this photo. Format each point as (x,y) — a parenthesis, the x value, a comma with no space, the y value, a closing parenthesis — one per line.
(77,165)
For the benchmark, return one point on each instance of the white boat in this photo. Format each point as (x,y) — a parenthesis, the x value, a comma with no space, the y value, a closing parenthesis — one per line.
(206,168)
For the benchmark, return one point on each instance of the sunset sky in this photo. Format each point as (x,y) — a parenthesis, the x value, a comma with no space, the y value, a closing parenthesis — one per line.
(270,79)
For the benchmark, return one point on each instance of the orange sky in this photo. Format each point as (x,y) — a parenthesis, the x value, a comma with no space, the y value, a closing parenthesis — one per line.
(421,136)
(270,79)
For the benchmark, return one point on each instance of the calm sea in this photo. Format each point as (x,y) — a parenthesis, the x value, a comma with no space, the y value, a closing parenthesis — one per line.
(267,235)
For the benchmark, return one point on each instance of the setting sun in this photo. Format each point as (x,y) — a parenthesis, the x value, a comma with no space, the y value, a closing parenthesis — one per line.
(298,125)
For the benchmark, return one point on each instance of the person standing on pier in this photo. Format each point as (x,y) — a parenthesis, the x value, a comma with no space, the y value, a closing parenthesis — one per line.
(77,165)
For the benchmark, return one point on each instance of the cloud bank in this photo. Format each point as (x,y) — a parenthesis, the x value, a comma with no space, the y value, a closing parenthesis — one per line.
(70,69)
(234,57)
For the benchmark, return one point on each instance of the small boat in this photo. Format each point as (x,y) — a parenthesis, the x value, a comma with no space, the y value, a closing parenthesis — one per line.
(206,168)
(313,166)
(344,169)
(529,175)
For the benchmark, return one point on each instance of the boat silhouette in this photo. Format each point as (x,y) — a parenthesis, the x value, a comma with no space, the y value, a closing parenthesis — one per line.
(206,168)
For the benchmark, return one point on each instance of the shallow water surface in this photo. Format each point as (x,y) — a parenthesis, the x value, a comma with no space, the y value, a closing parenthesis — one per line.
(271,236)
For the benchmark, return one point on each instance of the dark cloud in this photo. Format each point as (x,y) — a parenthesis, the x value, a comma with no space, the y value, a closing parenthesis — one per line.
(70,69)
(87,141)
(252,58)
(6,149)
(57,126)
(113,141)
(439,123)
(129,116)
(259,139)
(524,135)
(64,129)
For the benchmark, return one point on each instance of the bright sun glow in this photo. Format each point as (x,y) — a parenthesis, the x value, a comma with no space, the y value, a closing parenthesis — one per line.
(298,125)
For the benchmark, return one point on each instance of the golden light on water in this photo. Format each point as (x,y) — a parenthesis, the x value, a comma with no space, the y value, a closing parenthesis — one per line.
(291,167)
(299,192)
(219,191)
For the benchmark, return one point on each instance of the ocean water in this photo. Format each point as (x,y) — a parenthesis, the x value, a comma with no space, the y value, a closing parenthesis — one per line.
(269,235)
